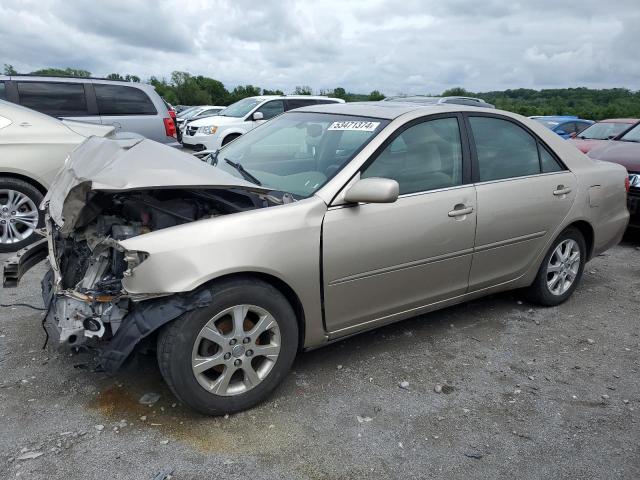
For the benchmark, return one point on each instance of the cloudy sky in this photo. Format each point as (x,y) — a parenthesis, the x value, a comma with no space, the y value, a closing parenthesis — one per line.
(396,46)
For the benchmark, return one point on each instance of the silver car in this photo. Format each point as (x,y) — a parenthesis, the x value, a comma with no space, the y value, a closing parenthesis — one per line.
(127,106)
(324,222)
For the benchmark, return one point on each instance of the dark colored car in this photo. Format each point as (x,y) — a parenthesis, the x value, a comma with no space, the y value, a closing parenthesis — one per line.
(625,151)
(601,132)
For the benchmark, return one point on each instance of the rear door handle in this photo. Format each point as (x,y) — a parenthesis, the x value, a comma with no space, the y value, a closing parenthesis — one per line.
(460,210)
(561,190)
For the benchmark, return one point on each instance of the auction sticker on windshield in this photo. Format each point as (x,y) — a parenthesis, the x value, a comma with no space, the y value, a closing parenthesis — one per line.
(351,125)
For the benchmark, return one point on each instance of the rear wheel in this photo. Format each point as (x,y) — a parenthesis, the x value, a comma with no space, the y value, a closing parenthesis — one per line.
(230,355)
(561,269)
(19,214)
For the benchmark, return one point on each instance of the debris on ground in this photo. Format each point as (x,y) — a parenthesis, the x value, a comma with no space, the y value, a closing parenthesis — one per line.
(165,474)
(474,455)
(29,456)
(149,398)
(404,385)
(363,419)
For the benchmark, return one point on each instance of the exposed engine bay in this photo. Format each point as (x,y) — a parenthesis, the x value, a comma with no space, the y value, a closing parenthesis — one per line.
(88,264)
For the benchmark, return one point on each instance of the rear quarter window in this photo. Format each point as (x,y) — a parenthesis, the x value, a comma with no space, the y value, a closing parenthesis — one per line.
(123,100)
(54,98)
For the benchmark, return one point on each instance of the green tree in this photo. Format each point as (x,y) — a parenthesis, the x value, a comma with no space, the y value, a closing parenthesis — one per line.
(240,92)
(60,72)
(272,92)
(9,70)
(376,96)
(456,92)
(303,90)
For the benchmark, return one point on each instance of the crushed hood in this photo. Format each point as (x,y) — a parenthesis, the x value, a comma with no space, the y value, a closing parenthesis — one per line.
(119,165)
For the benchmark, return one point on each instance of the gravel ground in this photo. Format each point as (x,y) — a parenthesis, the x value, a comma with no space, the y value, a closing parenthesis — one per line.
(526,392)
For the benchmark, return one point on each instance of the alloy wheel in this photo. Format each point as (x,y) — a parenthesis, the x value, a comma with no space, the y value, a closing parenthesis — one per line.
(563,267)
(236,350)
(18,216)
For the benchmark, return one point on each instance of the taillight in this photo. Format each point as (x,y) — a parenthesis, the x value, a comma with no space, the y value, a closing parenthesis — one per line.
(627,183)
(172,113)
(169,127)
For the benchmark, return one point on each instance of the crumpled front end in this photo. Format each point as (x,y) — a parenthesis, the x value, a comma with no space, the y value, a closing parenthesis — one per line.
(91,210)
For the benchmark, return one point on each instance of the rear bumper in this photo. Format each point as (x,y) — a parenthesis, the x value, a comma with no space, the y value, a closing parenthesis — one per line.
(16,266)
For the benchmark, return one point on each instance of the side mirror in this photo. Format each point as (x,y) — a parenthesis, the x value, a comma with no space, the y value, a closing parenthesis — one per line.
(258,116)
(373,190)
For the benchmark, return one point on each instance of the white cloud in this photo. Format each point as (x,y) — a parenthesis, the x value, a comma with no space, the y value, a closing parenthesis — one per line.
(409,46)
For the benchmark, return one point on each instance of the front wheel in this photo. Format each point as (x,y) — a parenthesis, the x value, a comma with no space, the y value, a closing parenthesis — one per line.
(19,214)
(561,269)
(230,355)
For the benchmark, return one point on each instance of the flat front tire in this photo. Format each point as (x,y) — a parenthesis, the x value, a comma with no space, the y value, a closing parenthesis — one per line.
(561,269)
(229,356)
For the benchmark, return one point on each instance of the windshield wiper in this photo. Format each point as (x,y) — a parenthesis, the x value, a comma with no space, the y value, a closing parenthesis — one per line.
(246,175)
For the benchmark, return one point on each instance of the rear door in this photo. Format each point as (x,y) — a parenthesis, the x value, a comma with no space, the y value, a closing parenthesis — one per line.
(523,191)
(129,109)
(385,260)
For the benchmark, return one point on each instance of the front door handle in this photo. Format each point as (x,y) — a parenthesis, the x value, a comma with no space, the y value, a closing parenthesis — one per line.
(460,210)
(561,190)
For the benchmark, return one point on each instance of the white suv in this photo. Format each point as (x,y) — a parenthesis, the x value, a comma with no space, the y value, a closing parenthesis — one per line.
(214,132)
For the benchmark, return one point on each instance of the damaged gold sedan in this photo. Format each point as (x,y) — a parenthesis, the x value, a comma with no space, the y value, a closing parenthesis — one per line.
(322,223)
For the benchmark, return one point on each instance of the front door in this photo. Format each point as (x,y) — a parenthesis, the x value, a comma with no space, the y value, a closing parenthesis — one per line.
(381,261)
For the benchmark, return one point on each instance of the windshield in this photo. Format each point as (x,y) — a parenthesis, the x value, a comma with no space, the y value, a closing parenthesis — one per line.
(603,130)
(298,152)
(240,108)
(187,112)
(632,135)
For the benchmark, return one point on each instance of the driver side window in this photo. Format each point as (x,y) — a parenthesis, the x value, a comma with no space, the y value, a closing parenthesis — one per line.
(425,156)
(271,109)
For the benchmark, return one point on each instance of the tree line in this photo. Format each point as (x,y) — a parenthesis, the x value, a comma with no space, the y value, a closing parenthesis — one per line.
(183,88)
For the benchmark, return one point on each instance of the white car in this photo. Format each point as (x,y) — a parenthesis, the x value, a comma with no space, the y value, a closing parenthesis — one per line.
(33,147)
(245,115)
(194,113)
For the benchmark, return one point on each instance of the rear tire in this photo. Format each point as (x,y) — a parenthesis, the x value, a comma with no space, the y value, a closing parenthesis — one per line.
(217,366)
(561,269)
(19,214)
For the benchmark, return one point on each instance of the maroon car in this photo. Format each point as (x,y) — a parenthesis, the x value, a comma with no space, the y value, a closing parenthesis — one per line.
(601,132)
(625,150)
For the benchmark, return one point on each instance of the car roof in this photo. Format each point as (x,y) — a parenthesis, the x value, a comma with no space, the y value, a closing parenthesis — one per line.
(387,109)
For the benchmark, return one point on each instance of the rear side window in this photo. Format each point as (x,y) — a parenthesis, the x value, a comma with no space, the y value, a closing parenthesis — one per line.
(122,100)
(547,161)
(54,98)
(297,103)
(503,149)
(3,91)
